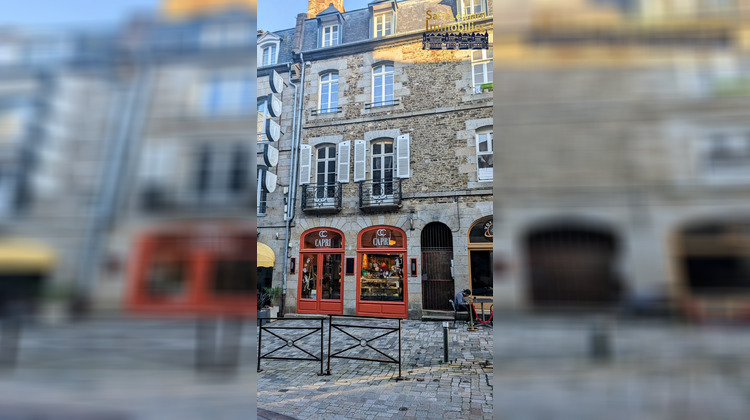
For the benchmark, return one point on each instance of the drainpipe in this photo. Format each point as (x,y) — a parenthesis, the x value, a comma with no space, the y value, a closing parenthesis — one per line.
(291,183)
(293,178)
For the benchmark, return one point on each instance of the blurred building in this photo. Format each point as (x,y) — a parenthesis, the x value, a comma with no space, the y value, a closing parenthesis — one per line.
(386,157)
(622,171)
(127,153)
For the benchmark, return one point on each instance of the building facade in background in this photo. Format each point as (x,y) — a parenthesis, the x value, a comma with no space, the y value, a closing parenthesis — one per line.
(386,157)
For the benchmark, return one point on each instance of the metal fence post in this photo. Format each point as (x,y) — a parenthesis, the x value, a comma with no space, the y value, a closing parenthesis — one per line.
(321,347)
(399,351)
(260,343)
(445,342)
(330,321)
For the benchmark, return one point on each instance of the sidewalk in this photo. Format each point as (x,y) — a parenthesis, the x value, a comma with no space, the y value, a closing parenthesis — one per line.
(460,389)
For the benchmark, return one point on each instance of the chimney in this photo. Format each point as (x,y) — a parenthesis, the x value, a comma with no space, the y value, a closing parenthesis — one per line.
(316,6)
(298,28)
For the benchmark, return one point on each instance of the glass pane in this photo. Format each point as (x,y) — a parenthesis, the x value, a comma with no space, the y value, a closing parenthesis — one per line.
(489,72)
(481,273)
(484,161)
(233,278)
(382,238)
(167,279)
(309,276)
(388,147)
(376,149)
(382,277)
(478,74)
(476,55)
(482,142)
(322,239)
(388,163)
(376,165)
(321,153)
(331,287)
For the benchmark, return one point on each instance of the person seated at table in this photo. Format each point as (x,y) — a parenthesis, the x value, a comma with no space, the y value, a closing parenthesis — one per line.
(461,303)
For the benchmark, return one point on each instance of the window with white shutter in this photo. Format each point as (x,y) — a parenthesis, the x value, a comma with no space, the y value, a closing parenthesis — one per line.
(402,156)
(305,162)
(343,164)
(360,162)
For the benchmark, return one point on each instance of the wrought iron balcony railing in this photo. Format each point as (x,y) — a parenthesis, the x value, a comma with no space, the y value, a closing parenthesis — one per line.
(380,195)
(324,111)
(389,102)
(321,198)
(155,199)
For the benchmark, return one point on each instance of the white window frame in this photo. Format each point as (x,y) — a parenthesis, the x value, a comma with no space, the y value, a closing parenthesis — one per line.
(235,94)
(263,115)
(737,139)
(220,171)
(384,73)
(329,161)
(332,37)
(482,174)
(469,7)
(330,106)
(273,55)
(386,22)
(486,62)
(383,155)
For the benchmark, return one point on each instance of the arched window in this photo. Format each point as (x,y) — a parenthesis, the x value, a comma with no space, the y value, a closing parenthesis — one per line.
(329,92)
(382,85)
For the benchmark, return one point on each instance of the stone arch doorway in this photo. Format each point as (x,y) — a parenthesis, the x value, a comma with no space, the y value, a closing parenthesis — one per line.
(572,266)
(437,261)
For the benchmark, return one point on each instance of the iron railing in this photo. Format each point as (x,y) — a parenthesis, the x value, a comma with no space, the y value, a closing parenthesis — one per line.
(389,102)
(321,198)
(362,341)
(324,111)
(380,195)
(291,342)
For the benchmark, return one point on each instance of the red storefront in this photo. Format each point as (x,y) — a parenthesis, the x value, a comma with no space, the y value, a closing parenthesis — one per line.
(381,277)
(193,271)
(321,289)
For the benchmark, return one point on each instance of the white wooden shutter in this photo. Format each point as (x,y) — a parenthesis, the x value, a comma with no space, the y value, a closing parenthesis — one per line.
(360,160)
(305,162)
(402,156)
(343,163)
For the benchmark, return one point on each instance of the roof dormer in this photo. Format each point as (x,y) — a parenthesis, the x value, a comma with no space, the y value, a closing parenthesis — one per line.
(382,18)
(268,49)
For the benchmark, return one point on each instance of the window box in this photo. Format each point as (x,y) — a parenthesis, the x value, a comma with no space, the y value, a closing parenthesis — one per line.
(486,87)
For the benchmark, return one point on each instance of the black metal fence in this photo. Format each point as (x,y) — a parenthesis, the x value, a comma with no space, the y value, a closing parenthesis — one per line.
(362,341)
(321,198)
(290,342)
(380,195)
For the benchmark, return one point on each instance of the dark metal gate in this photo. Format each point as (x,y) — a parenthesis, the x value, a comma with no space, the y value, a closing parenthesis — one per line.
(572,267)
(437,257)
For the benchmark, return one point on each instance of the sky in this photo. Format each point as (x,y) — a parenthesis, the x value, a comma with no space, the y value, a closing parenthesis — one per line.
(273,17)
(70,13)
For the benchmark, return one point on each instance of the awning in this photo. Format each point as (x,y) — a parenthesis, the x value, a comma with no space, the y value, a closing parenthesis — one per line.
(25,255)
(266,257)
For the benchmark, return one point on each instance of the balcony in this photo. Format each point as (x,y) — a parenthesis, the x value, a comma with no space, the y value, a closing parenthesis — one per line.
(162,200)
(325,111)
(380,196)
(321,198)
(389,102)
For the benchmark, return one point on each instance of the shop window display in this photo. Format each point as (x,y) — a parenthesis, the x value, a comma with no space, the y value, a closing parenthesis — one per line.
(382,277)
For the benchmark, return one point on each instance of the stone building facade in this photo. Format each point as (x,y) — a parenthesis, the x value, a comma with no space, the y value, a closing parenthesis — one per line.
(622,169)
(394,154)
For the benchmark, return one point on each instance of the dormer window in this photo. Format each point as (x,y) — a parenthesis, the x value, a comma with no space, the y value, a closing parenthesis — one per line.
(269,45)
(269,55)
(330,35)
(383,25)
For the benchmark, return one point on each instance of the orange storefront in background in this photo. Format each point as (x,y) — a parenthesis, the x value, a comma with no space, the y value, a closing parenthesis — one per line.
(194,271)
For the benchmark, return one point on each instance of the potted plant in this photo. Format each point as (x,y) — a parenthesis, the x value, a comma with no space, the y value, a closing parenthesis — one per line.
(274,293)
(264,310)
(56,298)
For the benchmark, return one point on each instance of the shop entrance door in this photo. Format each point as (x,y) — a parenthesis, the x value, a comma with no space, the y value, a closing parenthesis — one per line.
(320,284)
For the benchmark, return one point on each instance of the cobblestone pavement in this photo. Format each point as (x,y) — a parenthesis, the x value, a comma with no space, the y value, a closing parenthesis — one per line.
(122,370)
(355,389)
